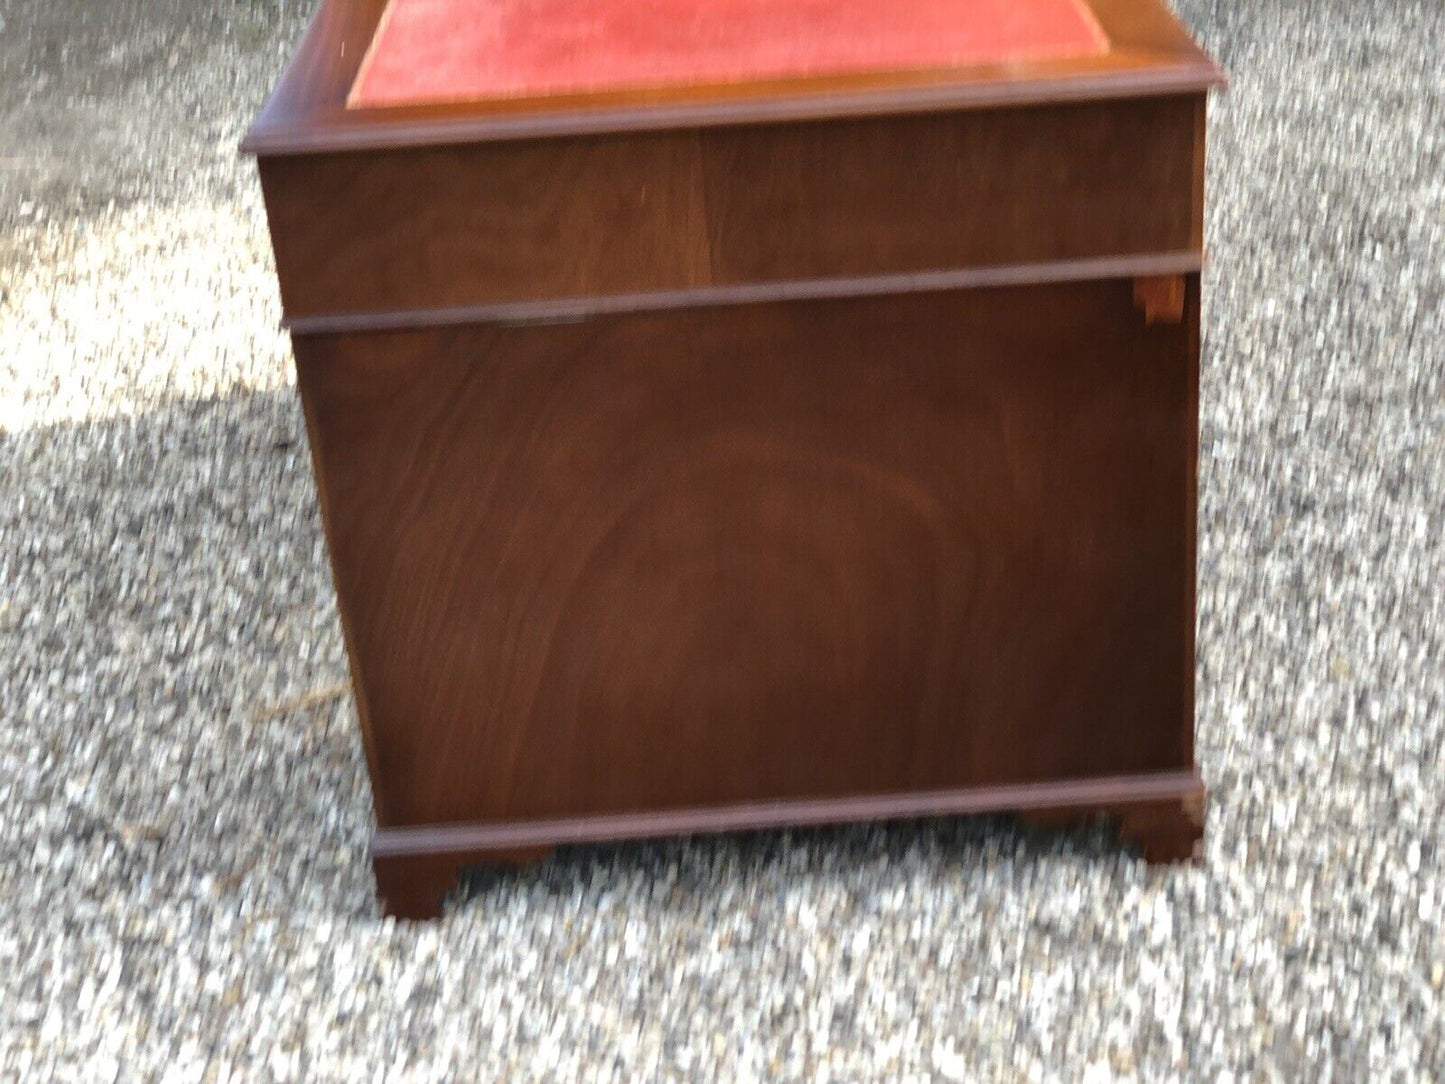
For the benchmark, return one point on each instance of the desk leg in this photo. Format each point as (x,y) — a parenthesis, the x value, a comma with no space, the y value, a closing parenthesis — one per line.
(413,886)
(1165,830)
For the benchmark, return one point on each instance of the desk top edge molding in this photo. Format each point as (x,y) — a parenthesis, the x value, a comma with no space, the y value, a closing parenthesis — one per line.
(1151,55)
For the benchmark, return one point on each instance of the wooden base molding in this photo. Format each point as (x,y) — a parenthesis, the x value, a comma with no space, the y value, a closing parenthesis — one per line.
(417,867)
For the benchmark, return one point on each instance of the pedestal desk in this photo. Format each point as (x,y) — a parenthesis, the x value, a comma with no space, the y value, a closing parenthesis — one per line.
(740,413)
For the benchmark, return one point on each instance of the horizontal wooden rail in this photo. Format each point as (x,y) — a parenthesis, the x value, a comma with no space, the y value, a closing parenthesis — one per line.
(465,839)
(573,309)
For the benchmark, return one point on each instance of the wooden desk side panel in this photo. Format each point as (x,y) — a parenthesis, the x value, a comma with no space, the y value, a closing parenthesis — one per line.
(805,550)
(431,228)
(988,188)
(403,230)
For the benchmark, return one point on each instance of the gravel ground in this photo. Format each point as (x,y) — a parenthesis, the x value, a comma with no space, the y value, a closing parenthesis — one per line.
(183,805)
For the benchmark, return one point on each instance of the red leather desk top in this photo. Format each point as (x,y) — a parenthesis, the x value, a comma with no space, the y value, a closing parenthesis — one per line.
(477,50)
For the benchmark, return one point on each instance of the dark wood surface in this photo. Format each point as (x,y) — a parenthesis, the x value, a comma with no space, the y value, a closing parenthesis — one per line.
(1054,804)
(1146,268)
(802,549)
(733,457)
(961,189)
(1159,813)
(446,227)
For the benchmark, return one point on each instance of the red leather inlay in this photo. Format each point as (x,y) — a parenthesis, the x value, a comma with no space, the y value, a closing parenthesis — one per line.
(469,50)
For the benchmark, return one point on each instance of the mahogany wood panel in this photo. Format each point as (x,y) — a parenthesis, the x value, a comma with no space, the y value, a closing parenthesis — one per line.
(546,219)
(459,225)
(804,449)
(803,550)
(984,187)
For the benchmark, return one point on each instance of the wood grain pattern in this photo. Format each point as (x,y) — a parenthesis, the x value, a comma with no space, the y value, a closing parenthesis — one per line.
(710,457)
(445,227)
(453,226)
(956,190)
(809,549)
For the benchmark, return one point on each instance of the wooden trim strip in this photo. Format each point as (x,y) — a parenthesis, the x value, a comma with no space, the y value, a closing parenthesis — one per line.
(573,309)
(469,839)
(1150,53)
(378,131)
